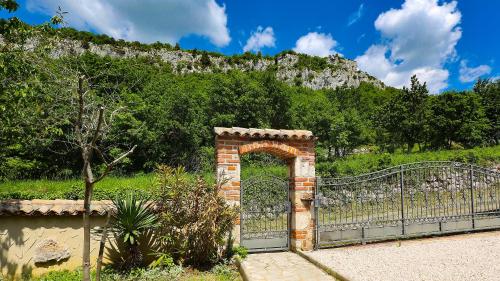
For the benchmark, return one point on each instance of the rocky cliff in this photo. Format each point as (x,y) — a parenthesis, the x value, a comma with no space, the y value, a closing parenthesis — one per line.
(294,69)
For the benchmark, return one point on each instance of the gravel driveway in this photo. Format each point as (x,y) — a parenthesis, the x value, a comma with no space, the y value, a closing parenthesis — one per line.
(460,257)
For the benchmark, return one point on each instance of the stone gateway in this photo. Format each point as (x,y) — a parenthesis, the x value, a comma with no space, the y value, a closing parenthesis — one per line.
(296,147)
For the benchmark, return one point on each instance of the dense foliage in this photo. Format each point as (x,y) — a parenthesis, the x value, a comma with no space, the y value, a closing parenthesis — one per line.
(195,220)
(170,116)
(112,187)
(365,163)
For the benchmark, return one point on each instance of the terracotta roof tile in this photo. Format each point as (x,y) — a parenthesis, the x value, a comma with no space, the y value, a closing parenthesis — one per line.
(52,207)
(264,133)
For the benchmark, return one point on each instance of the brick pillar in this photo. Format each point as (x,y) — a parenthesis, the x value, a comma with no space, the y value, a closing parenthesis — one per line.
(302,180)
(228,172)
(301,195)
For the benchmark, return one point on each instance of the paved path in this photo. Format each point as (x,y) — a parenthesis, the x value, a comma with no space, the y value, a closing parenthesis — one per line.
(451,258)
(282,266)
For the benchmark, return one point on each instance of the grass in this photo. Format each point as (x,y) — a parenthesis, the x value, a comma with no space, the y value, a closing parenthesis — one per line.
(364,163)
(110,187)
(73,189)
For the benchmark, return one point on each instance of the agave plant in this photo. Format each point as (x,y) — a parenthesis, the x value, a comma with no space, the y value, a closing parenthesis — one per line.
(132,219)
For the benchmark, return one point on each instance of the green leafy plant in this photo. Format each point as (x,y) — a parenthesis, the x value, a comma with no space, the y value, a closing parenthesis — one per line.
(133,218)
(240,251)
(195,220)
(163,260)
(222,270)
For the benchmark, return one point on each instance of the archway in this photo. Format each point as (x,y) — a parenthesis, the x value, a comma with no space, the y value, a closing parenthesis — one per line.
(294,146)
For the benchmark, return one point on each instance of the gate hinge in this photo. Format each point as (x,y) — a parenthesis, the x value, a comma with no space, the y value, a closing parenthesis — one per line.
(288,207)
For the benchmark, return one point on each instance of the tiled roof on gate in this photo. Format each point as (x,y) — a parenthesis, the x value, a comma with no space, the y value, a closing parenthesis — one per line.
(52,207)
(264,133)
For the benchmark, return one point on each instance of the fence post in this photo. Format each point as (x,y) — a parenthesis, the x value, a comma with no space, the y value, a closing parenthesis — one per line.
(401,187)
(471,187)
(316,214)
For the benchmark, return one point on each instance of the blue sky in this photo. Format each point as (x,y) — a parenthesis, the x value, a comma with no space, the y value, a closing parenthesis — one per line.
(448,44)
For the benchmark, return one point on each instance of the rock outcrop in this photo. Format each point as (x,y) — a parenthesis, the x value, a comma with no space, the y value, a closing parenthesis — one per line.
(337,71)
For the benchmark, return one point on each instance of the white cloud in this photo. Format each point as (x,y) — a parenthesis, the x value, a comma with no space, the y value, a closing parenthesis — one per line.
(316,44)
(259,39)
(375,62)
(470,74)
(146,20)
(420,37)
(354,17)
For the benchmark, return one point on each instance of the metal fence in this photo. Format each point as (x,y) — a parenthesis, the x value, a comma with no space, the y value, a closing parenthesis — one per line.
(409,200)
(265,213)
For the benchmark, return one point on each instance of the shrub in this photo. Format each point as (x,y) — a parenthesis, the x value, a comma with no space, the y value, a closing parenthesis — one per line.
(65,275)
(222,270)
(157,274)
(240,251)
(205,60)
(194,218)
(139,274)
(370,162)
(311,62)
(132,219)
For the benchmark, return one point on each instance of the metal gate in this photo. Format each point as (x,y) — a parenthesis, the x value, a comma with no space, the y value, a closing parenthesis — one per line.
(265,213)
(409,200)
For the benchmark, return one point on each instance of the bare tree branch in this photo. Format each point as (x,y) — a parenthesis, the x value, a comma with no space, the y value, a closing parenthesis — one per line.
(98,127)
(79,120)
(110,166)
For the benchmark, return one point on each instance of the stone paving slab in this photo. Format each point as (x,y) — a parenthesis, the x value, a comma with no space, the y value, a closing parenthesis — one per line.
(281,266)
(450,258)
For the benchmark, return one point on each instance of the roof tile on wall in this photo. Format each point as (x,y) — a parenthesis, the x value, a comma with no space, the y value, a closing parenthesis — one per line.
(57,207)
(264,133)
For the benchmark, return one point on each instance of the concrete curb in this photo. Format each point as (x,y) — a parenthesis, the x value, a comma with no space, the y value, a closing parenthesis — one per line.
(241,268)
(321,266)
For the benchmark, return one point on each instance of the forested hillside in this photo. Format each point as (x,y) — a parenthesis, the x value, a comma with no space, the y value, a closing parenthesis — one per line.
(169,114)
(288,66)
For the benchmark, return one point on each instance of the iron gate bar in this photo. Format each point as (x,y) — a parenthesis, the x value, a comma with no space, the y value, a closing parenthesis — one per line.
(401,187)
(471,185)
(434,197)
(265,213)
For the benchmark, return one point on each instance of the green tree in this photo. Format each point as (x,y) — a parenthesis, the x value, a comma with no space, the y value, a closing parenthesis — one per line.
(205,60)
(489,91)
(404,115)
(349,132)
(9,5)
(21,100)
(457,117)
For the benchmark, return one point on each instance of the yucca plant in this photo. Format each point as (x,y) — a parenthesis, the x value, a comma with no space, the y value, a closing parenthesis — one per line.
(132,219)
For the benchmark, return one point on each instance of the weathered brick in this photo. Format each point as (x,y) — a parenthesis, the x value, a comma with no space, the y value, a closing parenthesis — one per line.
(298,234)
(299,179)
